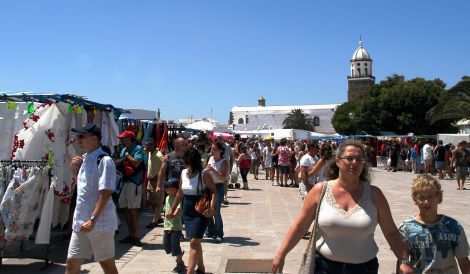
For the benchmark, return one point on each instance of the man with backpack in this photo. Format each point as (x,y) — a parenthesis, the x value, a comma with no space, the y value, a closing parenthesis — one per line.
(94,219)
(131,163)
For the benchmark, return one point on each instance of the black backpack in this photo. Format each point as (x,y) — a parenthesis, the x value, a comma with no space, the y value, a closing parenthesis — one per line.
(119,180)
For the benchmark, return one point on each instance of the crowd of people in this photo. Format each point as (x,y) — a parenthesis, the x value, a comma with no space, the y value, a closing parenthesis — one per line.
(427,156)
(177,183)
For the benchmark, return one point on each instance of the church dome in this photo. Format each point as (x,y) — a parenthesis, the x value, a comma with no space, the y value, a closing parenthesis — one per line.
(360,54)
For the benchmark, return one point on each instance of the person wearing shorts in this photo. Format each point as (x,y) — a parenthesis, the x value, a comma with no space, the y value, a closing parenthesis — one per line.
(131,194)
(94,219)
(154,163)
(283,161)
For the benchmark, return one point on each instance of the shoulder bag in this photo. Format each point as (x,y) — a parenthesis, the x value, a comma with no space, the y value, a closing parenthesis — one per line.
(204,202)
(308,261)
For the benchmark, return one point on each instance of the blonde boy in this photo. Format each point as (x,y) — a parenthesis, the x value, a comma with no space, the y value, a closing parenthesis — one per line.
(434,240)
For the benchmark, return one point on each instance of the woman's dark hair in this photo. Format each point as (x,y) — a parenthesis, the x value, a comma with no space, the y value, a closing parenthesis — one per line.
(283,142)
(243,149)
(333,170)
(192,158)
(221,147)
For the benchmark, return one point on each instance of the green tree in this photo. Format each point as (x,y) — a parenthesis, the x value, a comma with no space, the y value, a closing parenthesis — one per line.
(454,105)
(392,105)
(297,119)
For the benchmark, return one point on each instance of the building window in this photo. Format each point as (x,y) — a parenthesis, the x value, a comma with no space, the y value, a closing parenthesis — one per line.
(358,72)
(240,121)
(365,64)
(358,64)
(316,121)
(366,71)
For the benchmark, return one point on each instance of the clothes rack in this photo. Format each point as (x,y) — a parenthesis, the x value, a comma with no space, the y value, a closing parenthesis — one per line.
(23,249)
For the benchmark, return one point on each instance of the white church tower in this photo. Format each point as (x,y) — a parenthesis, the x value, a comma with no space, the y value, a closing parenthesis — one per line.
(361,79)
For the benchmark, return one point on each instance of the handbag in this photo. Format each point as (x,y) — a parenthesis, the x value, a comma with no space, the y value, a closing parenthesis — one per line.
(204,202)
(308,261)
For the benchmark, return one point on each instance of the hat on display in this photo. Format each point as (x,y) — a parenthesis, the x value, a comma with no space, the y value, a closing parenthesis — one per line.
(127,134)
(88,128)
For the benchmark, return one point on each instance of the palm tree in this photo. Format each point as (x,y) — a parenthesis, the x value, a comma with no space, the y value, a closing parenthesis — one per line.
(297,119)
(454,105)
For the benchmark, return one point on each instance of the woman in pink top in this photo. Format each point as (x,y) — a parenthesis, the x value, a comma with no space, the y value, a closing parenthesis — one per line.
(283,161)
(349,213)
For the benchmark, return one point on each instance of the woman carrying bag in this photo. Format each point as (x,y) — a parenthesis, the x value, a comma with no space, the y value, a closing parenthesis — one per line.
(193,183)
(348,215)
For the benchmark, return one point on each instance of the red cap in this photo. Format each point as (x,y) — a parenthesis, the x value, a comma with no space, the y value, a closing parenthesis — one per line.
(126,134)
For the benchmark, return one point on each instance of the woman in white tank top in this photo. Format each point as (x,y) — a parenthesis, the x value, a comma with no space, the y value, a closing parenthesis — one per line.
(192,183)
(218,169)
(349,213)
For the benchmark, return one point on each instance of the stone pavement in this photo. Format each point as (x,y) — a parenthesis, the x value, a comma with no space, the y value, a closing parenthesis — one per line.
(255,223)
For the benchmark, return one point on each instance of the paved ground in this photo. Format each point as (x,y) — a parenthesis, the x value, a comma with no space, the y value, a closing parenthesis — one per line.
(255,223)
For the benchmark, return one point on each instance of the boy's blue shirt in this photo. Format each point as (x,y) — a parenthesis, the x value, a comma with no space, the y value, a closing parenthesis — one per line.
(434,247)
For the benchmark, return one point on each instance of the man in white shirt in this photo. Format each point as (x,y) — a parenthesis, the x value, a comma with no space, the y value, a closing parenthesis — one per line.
(427,156)
(309,167)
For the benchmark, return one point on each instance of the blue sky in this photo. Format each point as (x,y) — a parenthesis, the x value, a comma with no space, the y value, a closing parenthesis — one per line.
(188,57)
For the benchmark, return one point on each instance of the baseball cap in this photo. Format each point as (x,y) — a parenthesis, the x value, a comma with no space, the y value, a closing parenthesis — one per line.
(88,128)
(126,134)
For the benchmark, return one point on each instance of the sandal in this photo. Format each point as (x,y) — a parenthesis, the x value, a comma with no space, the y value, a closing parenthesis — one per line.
(199,271)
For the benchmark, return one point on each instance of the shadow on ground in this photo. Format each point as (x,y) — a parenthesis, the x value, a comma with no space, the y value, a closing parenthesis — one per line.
(240,241)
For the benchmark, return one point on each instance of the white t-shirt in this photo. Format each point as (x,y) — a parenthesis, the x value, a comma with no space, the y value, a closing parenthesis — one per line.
(309,162)
(427,152)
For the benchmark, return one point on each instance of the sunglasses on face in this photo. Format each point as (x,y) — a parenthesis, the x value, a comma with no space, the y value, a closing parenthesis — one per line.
(352,159)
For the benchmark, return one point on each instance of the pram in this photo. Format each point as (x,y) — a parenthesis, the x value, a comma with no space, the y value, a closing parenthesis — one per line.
(233,178)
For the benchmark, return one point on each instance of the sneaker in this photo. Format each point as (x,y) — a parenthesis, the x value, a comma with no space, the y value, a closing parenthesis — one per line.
(218,239)
(225,202)
(126,240)
(137,242)
(207,235)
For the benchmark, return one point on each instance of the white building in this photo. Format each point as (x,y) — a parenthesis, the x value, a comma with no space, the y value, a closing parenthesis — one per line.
(264,117)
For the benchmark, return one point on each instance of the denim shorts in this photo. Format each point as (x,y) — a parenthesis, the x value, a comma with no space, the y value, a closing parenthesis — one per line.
(171,242)
(326,266)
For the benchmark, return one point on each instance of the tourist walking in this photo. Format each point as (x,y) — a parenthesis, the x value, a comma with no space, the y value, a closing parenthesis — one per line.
(461,161)
(275,166)
(349,214)
(268,160)
(440,158)
(94,219)
(435,241)
(193,182)
(308,162)
(173,226)
(244,162)
(255,156)
(283,161)
(218,168)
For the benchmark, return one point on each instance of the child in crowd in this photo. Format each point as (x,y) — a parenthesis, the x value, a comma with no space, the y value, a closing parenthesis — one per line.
(434,240)
(244,162)
(172,226)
